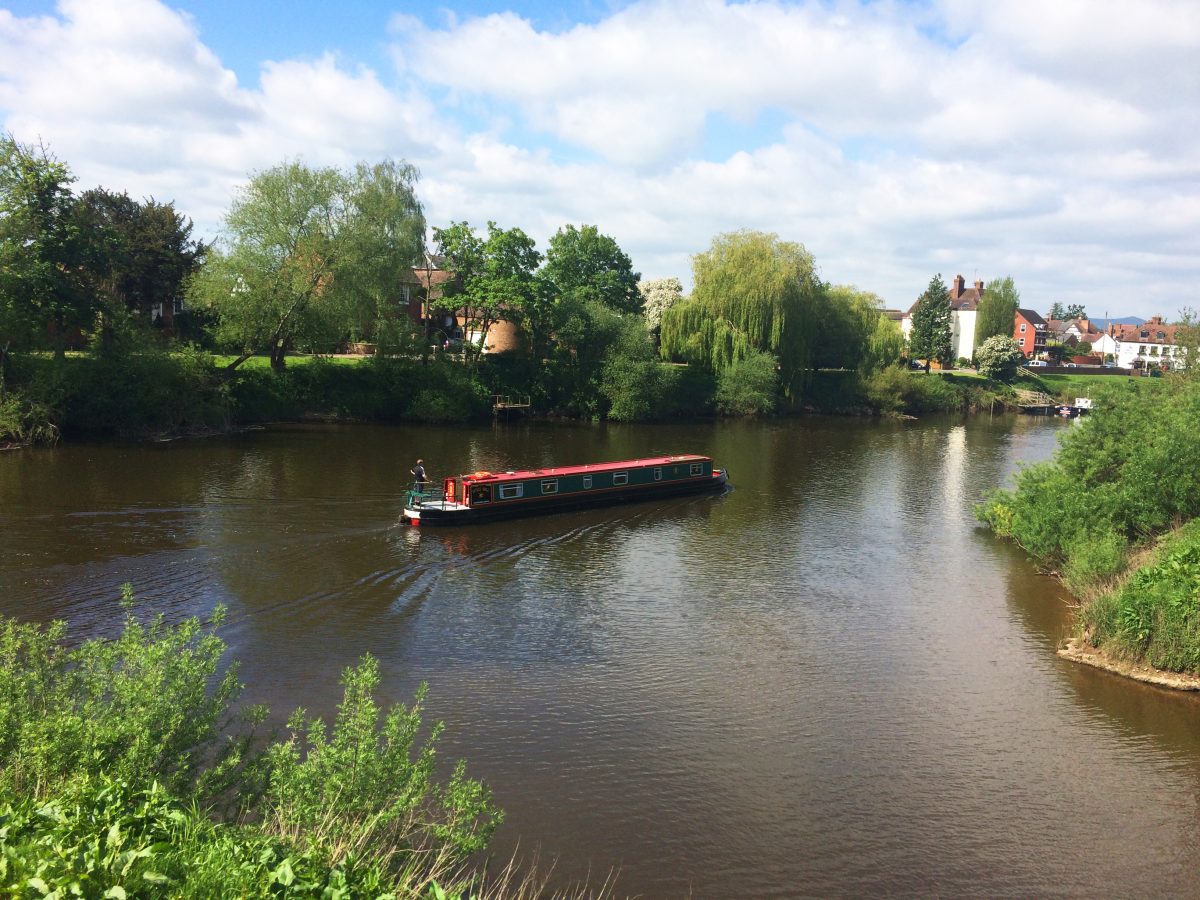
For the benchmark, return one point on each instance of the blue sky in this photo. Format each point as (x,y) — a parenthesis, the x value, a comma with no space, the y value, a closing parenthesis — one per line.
(1050,142)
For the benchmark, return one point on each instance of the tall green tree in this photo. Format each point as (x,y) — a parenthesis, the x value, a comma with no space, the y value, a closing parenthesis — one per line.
(845,326)
(142,254)
(591,266)
(930,336)
(495,277)
(272,281)
(1057,311)
(752,293)
(43,250)
(996,309)
(386,236)
(1076,311)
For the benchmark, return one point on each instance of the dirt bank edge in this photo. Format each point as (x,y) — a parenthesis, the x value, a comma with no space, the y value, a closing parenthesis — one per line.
(1078,651)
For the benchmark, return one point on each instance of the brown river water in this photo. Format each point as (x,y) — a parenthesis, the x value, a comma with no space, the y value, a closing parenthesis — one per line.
(827,681)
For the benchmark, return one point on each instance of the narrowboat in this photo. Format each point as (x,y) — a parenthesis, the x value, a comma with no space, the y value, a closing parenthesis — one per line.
(485,496)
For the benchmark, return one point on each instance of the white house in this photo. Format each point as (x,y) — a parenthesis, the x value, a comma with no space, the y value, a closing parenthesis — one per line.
(964,303)
(1152,344)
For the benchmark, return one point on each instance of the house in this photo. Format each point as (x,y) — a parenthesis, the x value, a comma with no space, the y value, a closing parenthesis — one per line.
(1152,344)
(1029,331)
(427,296)
(964,305)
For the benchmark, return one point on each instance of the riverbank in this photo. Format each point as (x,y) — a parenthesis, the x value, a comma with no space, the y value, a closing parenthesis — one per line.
(1114,515)
(157,395)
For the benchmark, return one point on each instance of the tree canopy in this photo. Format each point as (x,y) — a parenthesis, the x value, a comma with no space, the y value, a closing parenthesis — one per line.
(304,249)
(658,295)
(752,293)
(590,265)
(930,336)
(996,309)
(43,249)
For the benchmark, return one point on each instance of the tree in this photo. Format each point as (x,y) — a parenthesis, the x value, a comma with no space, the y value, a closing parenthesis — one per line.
(494,278)
(1187,338)
(1076,311)
(999,357)
(284,238)
(930,336)
(142,256)
(1057,312)
(996,309)
(42,249)
(386,236)
(753,292)
(590,265)
(848,322)
(658,295)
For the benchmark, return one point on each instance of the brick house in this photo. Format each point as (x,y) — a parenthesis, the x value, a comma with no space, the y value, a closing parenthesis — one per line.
(424,299)
(1029,331)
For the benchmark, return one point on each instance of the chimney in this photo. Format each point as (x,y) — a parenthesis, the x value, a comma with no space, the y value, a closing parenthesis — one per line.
(957,290)
(979,286)
(1085,326)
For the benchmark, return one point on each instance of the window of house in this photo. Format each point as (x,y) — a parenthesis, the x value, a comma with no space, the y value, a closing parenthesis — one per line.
(658,473)
(550,486)
(620,478)
(511,491)
(405,294)
(587,482)
(177,305)
(697,469)
(1023,328)
(1021,342)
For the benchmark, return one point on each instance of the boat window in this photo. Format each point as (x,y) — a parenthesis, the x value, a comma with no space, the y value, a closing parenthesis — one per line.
(587,481)
(697,468)
(550,487)
(481,493)
(620,478)
(511,491)
(658,473)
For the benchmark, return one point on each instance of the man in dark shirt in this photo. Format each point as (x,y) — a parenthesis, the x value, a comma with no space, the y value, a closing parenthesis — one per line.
(418,474)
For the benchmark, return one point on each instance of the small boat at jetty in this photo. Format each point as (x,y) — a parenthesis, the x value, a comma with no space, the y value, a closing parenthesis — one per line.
(484,496)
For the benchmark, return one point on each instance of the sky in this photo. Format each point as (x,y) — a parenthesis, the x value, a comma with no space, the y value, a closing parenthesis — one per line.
(1051,140)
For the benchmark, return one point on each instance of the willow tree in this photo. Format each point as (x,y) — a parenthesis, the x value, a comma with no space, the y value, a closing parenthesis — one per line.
(752,293)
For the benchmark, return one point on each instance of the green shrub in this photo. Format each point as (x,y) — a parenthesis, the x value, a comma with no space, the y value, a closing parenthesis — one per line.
(750,387)
(1156,614)
(1093,557)
(107,838)
(367,787)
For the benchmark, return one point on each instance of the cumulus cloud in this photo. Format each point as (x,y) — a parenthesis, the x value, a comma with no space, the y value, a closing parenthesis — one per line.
(1053,142)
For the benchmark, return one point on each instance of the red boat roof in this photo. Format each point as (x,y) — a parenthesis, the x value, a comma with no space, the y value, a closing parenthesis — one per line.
(518,475)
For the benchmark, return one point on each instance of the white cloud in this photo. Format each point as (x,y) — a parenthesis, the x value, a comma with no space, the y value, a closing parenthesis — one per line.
(1053,142)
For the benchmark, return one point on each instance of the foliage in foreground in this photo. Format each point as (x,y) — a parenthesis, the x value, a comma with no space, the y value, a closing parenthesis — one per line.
(1155,614)
(1129,474)
(114,755)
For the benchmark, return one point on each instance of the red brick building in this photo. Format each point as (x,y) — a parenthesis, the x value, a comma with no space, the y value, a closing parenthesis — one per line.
(1029,331)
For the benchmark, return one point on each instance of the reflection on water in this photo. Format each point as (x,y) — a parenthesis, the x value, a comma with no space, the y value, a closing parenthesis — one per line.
(825,681)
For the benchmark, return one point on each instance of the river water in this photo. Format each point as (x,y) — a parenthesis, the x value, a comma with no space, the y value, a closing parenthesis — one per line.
(826,681)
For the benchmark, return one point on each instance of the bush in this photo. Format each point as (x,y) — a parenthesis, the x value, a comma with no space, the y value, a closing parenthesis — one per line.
(1156,614)
(999,358)
(96,740)
(749,387)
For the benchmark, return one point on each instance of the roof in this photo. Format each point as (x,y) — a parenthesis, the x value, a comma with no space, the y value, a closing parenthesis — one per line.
(556,471)
(1031,317)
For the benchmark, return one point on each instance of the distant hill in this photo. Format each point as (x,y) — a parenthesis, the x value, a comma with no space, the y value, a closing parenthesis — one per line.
(1124,320)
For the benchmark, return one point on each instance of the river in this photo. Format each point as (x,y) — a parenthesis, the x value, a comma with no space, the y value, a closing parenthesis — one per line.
(826,681)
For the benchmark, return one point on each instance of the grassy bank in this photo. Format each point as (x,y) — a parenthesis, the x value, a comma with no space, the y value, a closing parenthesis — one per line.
(152,393)
(1113,515)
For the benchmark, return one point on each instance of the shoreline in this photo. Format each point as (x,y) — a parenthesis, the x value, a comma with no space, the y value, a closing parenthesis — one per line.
(1076,650)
